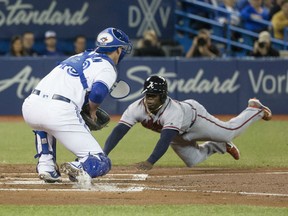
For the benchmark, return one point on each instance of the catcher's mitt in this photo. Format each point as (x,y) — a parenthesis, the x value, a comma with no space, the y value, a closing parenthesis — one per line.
(103,118)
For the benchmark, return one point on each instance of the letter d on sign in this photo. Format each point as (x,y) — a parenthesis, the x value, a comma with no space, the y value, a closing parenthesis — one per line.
(134,17)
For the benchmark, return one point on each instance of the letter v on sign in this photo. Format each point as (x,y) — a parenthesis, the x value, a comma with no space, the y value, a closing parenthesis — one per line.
(256,83)
(165,14)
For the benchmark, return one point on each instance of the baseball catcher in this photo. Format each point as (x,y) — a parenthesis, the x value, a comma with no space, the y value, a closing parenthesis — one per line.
(53,109)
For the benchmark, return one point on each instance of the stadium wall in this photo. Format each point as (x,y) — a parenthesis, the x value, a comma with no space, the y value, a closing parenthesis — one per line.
(223,86)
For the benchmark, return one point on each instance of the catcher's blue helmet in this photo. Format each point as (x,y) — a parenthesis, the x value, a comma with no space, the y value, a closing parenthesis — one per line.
(110,39)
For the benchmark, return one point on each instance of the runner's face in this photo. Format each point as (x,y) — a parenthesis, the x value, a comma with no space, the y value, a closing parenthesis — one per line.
(153,101)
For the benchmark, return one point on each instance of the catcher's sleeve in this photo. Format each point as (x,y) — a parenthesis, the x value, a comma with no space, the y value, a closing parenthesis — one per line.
(117,134)
(98,92)
(162,145)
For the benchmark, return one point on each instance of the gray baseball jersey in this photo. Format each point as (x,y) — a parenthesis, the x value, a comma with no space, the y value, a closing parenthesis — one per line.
(173,114)
(194,124)
(191,119)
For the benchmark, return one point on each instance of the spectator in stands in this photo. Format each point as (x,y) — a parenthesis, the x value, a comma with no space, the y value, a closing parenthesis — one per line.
(202,46)
(268,4)
(28,43)
(280,21)
(51,42)
(263,46)
(197,10)
(275,8)
(253,14)
(229,5)
(232,19)
(149,45)
(79,45)
(240,4)
(16,47)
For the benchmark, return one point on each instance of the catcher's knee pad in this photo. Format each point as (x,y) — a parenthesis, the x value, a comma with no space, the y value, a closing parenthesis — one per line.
(97,165)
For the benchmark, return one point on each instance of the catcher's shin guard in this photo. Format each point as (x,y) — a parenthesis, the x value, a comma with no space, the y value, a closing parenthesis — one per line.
(46,152)
(97,165)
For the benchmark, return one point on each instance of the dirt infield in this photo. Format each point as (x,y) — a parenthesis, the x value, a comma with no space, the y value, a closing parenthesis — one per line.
(127,186)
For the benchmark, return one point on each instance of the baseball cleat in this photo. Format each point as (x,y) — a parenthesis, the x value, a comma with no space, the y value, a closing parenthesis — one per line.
(72,169)
(232,150)
(254,102)
(50,177)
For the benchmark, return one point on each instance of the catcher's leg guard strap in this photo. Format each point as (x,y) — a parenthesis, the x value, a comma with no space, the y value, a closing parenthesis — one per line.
(45,144)
(41,143)
(97,165)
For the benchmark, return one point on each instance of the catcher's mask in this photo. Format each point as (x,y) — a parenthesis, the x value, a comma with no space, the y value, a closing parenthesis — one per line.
(156,85)
(111,39)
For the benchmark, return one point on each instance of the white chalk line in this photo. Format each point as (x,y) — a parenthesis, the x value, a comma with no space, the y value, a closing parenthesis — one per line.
(220,174)
(106,188)
(109,177)
(132,187)
(221,192)
(97,185)
(137,188)
(134,176)
(65,181)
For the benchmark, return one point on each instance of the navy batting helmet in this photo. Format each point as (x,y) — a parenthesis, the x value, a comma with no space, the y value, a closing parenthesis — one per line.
(156,85)
(111,39)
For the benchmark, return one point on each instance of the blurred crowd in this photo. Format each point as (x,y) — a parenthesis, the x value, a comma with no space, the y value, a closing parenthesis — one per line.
(267,18)
(24,45)
(251,15)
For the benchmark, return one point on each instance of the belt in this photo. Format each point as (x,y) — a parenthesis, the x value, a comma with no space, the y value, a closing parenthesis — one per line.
(54,97)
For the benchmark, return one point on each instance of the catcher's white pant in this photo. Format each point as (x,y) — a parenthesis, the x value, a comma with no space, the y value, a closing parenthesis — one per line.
(207,127)
(61,120)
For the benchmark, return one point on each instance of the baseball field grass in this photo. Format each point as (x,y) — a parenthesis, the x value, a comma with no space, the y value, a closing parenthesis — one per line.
(264,144)
(159,210)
